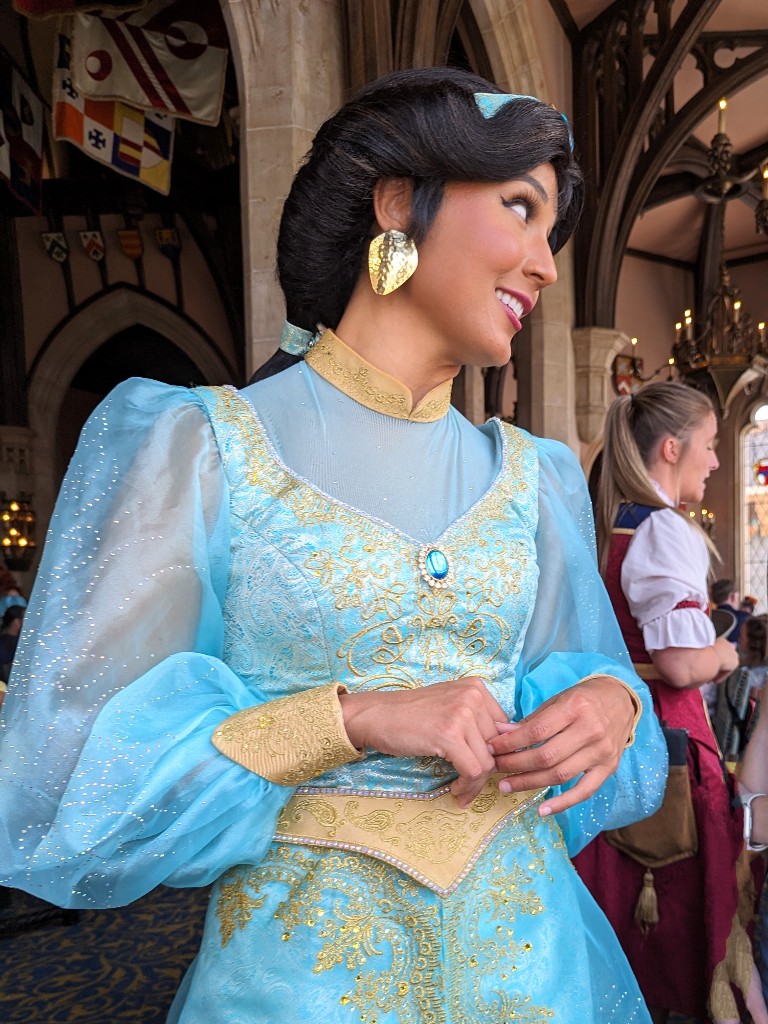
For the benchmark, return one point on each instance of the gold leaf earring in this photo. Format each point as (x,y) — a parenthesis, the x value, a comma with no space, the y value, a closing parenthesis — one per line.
(392,259)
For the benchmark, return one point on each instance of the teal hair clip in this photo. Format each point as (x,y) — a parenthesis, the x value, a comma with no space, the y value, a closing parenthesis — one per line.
(490,103)
(295,340)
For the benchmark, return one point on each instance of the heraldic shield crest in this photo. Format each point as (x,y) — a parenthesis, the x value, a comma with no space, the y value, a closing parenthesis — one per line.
(93,243)
(168,242)
(131,243)
(56,245)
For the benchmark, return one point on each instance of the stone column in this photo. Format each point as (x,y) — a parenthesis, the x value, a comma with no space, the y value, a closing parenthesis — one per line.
(289,62)
(594,349)
(551,370)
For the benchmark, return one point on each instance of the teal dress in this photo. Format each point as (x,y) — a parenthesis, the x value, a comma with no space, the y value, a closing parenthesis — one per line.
(205,556)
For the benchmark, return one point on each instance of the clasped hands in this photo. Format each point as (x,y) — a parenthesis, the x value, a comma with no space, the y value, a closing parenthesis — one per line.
(583,729)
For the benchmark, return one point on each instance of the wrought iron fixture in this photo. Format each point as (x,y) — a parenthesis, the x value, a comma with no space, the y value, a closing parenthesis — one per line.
(17,531)
(728,352)
(627,372)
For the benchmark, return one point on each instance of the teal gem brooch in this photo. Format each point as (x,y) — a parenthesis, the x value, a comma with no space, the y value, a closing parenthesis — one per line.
(435,568)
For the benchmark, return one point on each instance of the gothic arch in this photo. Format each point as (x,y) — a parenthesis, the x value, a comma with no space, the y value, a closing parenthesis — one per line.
(74,341)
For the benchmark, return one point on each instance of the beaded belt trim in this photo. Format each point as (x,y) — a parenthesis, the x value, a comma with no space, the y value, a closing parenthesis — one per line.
(426,835)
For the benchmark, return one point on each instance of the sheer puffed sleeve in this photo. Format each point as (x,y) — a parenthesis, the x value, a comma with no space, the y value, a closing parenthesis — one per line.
(109,781)
(573,634)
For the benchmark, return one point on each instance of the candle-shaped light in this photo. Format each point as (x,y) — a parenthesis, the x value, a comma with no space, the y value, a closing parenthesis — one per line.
(736,311)
(635,364)
(678,329)
(688,324)
(761,329)
(721,116)
(765,182)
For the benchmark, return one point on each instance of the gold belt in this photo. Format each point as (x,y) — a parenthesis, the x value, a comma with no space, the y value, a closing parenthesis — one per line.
(426,835)
(646,670)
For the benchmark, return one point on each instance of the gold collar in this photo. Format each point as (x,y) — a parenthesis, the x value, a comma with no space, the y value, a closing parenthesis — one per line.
(349,372)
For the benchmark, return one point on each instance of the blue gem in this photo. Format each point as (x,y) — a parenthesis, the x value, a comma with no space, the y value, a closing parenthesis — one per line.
(436,564)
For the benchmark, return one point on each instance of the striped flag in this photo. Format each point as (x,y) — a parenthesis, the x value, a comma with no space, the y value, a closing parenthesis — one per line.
(133,142)
(170,56)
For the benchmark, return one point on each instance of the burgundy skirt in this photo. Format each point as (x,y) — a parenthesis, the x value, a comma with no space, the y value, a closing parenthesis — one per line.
(697,896)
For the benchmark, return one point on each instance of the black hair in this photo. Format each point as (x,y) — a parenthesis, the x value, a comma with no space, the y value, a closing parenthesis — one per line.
(721,590)
(12,614)
(422,124)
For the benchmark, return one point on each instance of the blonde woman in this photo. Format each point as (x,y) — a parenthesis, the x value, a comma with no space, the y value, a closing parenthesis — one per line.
(659,452)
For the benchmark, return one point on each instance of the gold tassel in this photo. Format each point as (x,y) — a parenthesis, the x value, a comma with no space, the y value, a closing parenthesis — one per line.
(647,906)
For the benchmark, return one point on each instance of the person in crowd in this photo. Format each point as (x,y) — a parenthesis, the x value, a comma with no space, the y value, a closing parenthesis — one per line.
(329,646)
(736,696)
(748,604)
(9,591)
(753,796)
(753,643)
(672,900)
(725,597)
(10,627)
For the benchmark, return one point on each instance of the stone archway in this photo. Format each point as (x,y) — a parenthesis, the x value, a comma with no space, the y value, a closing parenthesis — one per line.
(71,345)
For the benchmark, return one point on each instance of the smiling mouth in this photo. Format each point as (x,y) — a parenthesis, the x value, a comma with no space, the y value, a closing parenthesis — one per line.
(513,304)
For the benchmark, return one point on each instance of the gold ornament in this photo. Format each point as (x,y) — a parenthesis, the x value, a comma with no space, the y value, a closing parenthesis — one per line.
(392,259)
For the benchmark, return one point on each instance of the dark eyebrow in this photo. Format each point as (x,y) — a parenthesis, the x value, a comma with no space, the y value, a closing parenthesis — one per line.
(535,184)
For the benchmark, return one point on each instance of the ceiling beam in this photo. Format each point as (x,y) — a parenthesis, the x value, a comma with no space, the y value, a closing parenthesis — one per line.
(564,16)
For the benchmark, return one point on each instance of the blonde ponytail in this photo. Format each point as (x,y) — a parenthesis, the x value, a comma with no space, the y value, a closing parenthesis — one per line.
(634,427)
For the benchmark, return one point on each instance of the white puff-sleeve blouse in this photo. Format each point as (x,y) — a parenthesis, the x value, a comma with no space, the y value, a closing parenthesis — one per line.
(664,579)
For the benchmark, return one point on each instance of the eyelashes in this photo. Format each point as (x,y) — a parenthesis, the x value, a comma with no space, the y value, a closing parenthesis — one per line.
(528,203)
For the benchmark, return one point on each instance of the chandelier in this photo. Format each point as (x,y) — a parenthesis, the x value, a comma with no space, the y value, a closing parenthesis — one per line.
(17,531)
(729,352)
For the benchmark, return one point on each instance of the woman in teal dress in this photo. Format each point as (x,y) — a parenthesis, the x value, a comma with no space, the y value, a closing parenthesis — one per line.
(326,644)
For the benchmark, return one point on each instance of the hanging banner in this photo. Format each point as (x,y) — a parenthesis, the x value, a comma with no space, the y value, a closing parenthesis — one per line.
(171,56)
(53,8)
(133,142)
(21,136)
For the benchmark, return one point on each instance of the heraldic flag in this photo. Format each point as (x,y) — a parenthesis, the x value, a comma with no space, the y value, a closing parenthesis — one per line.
(136,143)
(21,136)
(169,56)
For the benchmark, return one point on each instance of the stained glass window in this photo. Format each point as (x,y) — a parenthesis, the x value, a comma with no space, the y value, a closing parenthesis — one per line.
(755,508)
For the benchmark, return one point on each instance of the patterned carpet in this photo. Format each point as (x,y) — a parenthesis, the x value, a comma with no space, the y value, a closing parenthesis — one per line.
(106,967)
(109,967)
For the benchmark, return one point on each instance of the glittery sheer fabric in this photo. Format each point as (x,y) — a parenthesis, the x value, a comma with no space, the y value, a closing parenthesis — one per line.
(188,574)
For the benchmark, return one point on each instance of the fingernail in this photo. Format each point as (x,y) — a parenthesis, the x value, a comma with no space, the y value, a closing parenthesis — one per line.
(491,749)
(545,810)
(507,726)
(505,787)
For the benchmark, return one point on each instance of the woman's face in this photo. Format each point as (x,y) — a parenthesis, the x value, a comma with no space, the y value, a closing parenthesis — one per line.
(482,265)
(698,460)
